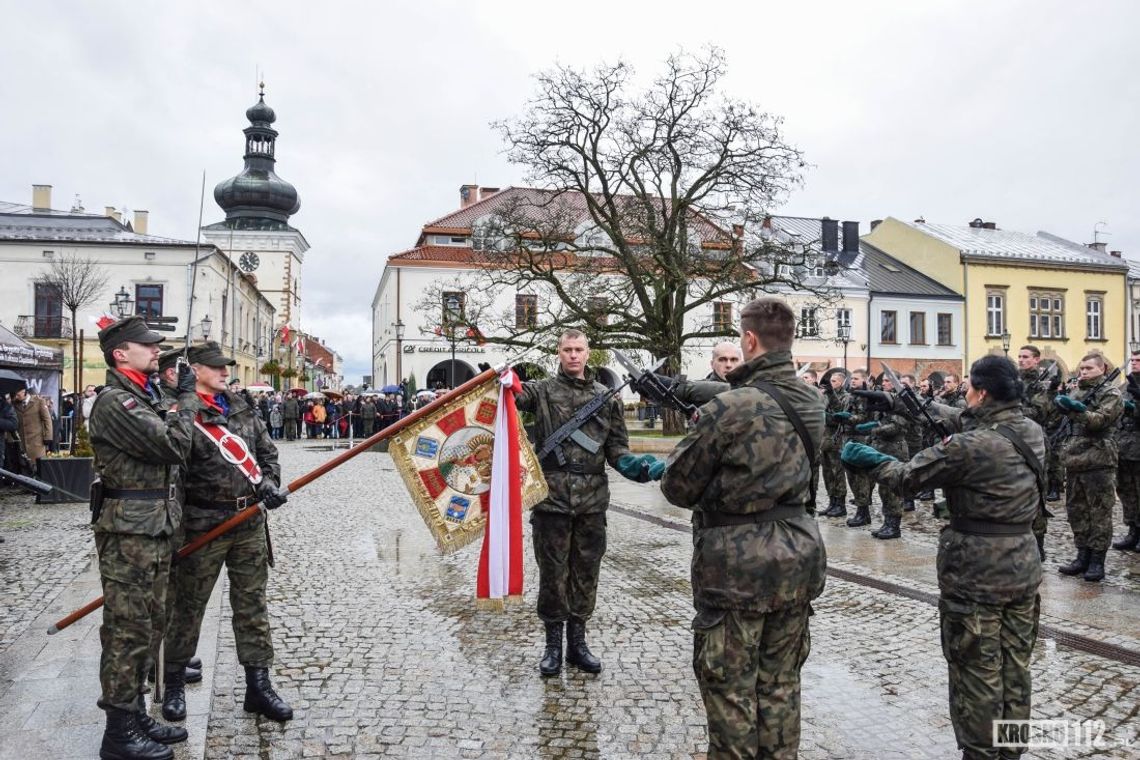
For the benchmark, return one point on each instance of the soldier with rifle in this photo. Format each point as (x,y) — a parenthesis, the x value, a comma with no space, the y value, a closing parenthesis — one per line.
(580,427)
(135,513)
(1038,389)
(834,385)
(888,431)
(1089,454)
(1128,466)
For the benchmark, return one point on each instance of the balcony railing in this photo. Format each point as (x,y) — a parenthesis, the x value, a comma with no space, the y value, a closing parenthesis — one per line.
(36,326)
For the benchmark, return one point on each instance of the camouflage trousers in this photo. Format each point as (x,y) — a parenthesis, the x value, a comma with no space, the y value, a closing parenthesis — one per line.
(134,571)
(569,551)
(748,669)
(892,500)
(833,477)
(244,554)
(1128,490)
(1054,470)
(1089,497)
(987,649)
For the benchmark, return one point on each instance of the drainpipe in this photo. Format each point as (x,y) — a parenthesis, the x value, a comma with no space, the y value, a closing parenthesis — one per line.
(965,315)
(870,298)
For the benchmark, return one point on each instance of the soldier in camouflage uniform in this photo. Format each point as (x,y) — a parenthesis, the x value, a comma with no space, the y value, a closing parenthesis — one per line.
(137,455)
(988,568)
(888,431)
(725,358)
(570,524)
(834,476)
(914,432)
(216,489)
(1037,405)
(1128,466)
(1089,455)
(856,415)
(758,559)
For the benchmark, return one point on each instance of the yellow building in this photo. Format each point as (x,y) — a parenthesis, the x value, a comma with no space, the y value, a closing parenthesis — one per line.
(1061,296)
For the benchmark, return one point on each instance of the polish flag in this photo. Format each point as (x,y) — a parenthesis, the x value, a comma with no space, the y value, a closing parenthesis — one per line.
(284,333)
(501,560)
(103,321)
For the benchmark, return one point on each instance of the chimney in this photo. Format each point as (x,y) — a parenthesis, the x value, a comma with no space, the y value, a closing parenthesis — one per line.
(977,223)
(141,220)
(851,237)
(468,194)
(487,192)
(875,223)
(1114,254)
(1102,247)
(989,225)
(830,235)
(41,197)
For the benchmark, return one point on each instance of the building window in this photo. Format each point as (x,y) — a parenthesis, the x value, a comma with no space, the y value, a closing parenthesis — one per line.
(526,311)
(888,327)
(918,328)
(945,329)
(448,240)
(722,316)
(843,318)
(454,305)
(808,326)
(49,254)
(1046,314)
(49,311)
(995,313)
(148,301)
(1094,317)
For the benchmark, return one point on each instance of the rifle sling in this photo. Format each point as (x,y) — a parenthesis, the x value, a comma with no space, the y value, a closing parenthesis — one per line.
(582,414)
(1008,433)
(801,430)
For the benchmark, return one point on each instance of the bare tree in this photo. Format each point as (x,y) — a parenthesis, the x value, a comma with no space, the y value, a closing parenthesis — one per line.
(79,283)
(647,214)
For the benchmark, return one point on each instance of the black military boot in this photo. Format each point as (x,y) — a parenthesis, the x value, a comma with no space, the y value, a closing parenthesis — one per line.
(826,511)
(160,733)
(1131,540)
(926,495)
(260,697)
(1095,571)
(840,508)
(862,517)
(1054,493)
(891,528)
(1041,546)
(1078,565)
(908,505)
(577,653)
(124,739)
(174,693)
(551,663)
(195,662)
(193,673)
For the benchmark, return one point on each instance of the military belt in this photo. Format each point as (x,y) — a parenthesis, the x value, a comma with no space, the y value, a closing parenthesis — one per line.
(578,468)
(139,494)
(987,528)
(702,520)
(226,505)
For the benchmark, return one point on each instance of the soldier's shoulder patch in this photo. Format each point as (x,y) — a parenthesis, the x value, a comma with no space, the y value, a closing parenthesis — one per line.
(130,403)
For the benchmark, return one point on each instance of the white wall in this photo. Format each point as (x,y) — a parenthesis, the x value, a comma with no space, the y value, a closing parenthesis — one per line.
(905,348)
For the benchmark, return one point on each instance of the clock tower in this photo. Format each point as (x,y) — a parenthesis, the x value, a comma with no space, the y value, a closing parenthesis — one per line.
(256,233)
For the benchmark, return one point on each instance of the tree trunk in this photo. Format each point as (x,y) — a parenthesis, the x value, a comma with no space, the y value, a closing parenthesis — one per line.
(672,422)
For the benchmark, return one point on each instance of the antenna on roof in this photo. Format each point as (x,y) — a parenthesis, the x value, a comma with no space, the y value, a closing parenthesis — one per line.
(77,206)
(1098,232)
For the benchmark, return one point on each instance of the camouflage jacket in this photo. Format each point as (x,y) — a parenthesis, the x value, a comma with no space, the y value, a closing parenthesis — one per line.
(1091,445)
(956,399)
(136,448)
(209,477)
(743,456)
(553,402)
(893,426)
(984,478)
(834,430)
(1128,433)
(1036,398)
(857,408)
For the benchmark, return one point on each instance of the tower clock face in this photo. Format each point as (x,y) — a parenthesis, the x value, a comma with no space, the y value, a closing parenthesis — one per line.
(249,261)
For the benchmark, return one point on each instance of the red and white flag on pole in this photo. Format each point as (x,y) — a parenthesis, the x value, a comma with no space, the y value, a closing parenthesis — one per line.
(501,560)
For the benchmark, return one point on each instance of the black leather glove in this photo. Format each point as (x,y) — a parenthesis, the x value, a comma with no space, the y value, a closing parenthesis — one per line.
(877,401)
(270,495)
(186,379)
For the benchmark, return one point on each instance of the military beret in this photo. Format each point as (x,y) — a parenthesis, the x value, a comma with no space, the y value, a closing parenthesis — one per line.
(210,354)
(168,359)
(127,330)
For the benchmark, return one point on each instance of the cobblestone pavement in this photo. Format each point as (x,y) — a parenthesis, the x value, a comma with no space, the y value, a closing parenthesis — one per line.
(382,653)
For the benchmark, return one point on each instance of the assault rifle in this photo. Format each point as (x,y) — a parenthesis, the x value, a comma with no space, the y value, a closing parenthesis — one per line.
(1065,429)
(33,485)
(915,406)
(650,385)
(572,428)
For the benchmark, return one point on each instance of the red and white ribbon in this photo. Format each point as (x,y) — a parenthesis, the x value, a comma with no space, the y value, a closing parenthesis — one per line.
(501,560)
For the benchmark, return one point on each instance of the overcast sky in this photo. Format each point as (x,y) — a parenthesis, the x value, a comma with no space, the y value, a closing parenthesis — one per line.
(1024,113)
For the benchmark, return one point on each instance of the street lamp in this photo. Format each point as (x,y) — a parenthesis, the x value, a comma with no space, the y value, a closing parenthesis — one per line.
(844,333)
(207,323)
(1006,338)
(452,312)
(399,325)
(123,302)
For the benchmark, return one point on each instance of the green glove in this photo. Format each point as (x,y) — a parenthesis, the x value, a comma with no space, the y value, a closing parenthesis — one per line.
(862,456)
(866,427)
(630,466)
(656,470)
(1130,406)
(841,416)
(1069,404)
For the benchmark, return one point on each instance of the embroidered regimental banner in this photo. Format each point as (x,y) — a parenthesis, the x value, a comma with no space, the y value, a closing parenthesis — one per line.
(447,459)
